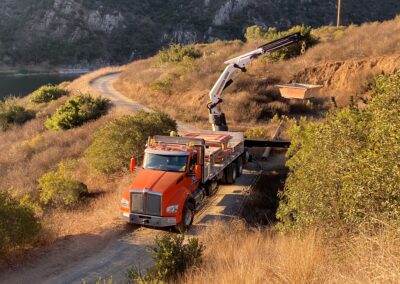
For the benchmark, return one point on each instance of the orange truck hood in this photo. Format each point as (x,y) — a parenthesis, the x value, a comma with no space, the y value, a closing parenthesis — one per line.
(158,181)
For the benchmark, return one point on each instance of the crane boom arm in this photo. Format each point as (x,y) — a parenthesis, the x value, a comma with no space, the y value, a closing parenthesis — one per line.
(217,117)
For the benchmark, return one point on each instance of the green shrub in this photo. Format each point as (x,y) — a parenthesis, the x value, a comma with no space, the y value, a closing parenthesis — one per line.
(384,84)
(77,111)
(163,85)
(119,140)
(257,133)
(177,53)
(47,93)
(172,257)
(18,224)
(344,172)
(328,33)
(258,33)
(12,113)
(57,188)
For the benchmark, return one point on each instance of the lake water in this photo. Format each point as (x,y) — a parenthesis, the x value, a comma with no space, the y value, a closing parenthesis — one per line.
(21,85)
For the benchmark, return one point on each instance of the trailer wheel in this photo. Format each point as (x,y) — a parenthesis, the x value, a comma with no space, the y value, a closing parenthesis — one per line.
(187,218)
(239,166)
(231,173)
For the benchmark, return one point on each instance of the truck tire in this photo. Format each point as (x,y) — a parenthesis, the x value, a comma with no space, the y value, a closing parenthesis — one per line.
(231,173)
(187,218)
(239,166)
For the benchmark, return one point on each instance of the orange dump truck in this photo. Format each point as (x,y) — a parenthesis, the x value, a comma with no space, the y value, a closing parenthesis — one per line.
(177,175)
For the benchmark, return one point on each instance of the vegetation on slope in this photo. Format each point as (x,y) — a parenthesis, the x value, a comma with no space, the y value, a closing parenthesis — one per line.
(45,172)
(234,253)
(125,137)
(104,31)
(257,33)
(345,60)
(344,171)
(173,256)
(18,224)
(77,111)
(12,113)
(41,151)
(46,94)
(58,188)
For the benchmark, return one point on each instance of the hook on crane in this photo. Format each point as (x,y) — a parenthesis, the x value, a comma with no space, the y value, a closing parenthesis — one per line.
(303,47)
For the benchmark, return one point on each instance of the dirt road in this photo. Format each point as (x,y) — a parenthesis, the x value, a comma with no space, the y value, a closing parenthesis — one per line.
(112,252)
(105,86)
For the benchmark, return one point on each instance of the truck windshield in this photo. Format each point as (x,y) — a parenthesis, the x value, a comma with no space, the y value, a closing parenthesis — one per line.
(165,162)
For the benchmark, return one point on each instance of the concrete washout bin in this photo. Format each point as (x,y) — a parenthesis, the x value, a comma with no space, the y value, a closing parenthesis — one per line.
(299,91)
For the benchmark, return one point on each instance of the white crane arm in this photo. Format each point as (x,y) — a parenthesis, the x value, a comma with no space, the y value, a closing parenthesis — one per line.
(217,117)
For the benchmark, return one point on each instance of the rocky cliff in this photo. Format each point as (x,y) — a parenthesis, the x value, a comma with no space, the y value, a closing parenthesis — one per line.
(89,32)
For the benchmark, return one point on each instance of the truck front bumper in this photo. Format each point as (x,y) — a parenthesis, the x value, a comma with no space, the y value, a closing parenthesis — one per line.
(155,221)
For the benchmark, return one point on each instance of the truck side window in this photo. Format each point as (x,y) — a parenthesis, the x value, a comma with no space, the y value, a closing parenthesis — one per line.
(193,162)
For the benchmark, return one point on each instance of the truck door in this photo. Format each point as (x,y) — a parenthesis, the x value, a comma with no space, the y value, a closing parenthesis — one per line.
(196,171)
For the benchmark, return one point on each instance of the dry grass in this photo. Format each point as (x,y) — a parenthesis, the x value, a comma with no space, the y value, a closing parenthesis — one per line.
(30,150)
(237,254)
(100,211)
(345,63)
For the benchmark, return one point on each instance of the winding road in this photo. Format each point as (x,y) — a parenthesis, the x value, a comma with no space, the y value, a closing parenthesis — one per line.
(89,257)
(105,86)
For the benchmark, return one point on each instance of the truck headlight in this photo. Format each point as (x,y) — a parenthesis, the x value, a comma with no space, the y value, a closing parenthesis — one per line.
(124,203)
(172,208)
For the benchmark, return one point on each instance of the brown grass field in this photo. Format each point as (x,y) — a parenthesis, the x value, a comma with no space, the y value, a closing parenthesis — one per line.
(236,254)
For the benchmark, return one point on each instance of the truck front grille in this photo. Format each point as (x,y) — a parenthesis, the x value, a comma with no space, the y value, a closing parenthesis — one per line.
(146,203)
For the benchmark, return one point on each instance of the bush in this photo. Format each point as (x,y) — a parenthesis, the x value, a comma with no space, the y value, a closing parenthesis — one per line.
(257,133)
(77,111)
(12,113)
(46,94)
(119,140)
(18,224)
(344,172)
(328,33)
(270,34)
(177,53)
(57,188)
(385,84)
(163,85)
(171,259)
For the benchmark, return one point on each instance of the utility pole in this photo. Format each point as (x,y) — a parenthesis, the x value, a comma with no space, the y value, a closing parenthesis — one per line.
(339,8)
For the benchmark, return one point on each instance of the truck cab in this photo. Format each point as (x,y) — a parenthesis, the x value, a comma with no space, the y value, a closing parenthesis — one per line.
(176,175)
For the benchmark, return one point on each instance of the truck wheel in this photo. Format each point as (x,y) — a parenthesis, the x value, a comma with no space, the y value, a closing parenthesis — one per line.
(231,173)
(187,218)
(239,166)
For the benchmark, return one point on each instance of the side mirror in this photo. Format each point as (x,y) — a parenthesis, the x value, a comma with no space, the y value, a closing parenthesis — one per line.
(133,165)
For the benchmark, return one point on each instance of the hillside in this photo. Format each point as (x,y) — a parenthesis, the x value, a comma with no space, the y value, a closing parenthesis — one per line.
(345,66)
(74,32)
(65,162)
